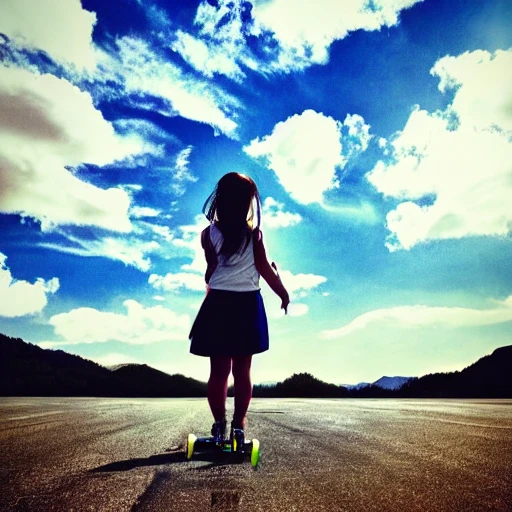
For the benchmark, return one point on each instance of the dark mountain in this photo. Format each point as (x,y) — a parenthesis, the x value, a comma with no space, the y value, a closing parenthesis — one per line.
(301,385)
(143,381)
(489,377)
(29,370)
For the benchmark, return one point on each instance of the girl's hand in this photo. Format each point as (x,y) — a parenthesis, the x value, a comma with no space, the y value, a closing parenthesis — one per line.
(285,300)
(284,304)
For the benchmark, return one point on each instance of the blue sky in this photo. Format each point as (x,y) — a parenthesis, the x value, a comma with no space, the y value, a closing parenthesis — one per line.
(379,134)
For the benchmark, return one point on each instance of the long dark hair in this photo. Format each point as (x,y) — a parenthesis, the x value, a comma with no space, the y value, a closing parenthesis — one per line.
(232,207)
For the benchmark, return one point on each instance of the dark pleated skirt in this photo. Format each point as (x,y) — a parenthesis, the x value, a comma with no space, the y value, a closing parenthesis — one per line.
(230,324)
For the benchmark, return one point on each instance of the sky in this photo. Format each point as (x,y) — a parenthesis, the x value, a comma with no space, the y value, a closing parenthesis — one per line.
(379,133)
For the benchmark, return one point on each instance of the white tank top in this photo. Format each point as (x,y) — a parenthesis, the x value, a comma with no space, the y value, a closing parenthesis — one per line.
(238,273)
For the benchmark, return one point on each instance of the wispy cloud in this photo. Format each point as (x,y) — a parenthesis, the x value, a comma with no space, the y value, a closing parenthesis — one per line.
(141,69)
(130,249)
(182,174)
(21,298)
(421,316)
(459,157)
(178,281)
(144,211)
(207,57)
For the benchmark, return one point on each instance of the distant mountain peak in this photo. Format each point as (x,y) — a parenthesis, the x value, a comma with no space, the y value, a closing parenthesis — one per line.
(391,383)
(115,367)
(356,386)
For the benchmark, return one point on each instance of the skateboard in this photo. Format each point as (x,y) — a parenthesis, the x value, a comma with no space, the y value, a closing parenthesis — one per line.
(236,445)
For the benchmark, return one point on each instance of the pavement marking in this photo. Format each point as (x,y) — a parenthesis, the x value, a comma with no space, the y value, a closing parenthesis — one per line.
(225,501)
(36,415)
(468,424)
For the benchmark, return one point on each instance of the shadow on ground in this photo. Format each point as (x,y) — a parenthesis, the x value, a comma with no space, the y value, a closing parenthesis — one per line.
(216,458)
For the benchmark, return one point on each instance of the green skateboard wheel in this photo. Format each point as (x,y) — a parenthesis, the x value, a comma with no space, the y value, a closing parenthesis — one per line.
(191,441)
(255,452)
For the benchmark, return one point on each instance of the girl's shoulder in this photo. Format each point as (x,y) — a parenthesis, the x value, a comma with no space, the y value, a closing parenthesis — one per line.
(257,235)
(205,236)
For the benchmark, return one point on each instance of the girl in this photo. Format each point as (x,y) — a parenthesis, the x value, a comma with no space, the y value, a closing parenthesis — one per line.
(231,324)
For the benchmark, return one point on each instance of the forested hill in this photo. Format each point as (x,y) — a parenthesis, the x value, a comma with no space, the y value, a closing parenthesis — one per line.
(489,377)
(28,370)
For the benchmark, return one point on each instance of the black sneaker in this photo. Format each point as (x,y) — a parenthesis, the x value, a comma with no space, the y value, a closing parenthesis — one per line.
(219,431)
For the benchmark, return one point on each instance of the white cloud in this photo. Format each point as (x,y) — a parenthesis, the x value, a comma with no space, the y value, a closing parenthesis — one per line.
(208,58)
(459,157)
(187,239)
(222,32)
(304,151)
(358,135)
(307,29)
(483,84)
(132,187)
(164,232)
(21,298)
(144,72)
(62,29)
(426,316)
(143,211)
(131,250)
(299,285)
(307,150)
(138,326)
(274,215)
(182,173)
(46,126)
(291,35)
(361,212)
(190,240)
(174,282)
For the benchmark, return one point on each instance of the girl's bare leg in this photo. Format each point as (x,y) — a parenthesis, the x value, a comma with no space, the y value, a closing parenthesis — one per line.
(243,388)
(220,368)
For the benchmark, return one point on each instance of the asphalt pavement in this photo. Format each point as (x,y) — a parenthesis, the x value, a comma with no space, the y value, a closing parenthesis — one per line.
(83,454)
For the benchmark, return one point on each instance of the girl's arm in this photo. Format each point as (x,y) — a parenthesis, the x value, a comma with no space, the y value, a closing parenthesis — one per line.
(268,273)
(209,253)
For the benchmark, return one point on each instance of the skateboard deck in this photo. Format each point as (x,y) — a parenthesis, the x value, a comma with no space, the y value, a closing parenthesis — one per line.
(249,449)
